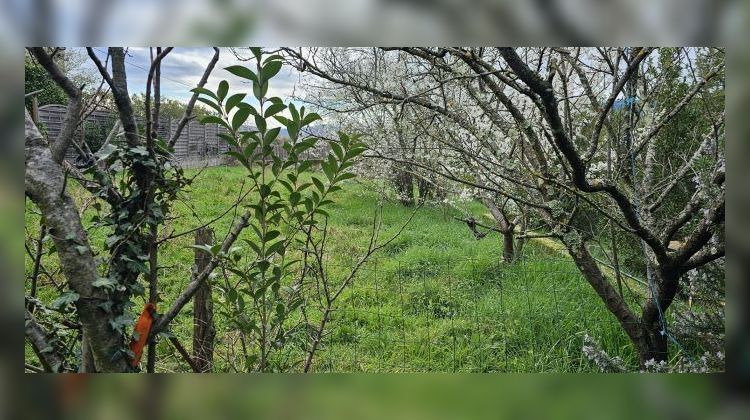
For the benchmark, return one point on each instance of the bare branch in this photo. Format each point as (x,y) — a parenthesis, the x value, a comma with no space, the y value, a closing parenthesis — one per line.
(191,103)
(40,341)
(72,116)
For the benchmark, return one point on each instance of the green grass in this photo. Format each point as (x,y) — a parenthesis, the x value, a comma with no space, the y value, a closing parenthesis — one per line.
(435,299)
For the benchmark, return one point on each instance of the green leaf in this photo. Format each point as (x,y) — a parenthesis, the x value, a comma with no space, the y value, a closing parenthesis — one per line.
(269,70)
(249,149)
(65,299)
(212,104)
(212,119)
(311,117)
(318,184)
(239,118)
(223,89)
(240,303)
(274,109)
(271,235)
(229,139)
(260,123)
(253,245)
(110,241)
(243,72)
(286,185)
(260,90)
(240,157)
(272,57)
(204,91)
(293,112)
(283,120)
(252,109)
(233,100)
(328,170)
(344,139)
(104,282)
(337,150)
(250,362)
(250,135)
(355,151)
(345,176)
(293,130)
(271,136)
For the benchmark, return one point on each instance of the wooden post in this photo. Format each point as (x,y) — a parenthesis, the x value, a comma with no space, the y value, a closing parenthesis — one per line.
(204,330)
(35,109)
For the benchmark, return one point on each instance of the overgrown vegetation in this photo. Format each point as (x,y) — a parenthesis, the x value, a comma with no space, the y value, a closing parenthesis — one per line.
(434,299)
(563,188)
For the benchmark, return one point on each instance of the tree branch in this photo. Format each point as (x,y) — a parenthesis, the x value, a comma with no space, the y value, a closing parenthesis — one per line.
(40,341)
(119,86)
(73,114)
(198,279)
(545,91)
(191,103)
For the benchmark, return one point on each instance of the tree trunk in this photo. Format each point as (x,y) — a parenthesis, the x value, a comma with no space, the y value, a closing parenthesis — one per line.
(652,344)
(87,357)
(426,189)
(615,303)
(508,252)
(204,330)
(45,185)
(654,340)
(645,333)
(507,228)
(404,183)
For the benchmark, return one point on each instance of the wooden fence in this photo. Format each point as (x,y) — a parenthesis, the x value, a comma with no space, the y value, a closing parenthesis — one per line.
(198,145)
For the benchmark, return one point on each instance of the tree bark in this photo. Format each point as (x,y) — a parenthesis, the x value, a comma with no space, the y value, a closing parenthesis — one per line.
(59,146)
(426,189)
(652,344)
(204,330)
(506,229)
(645,333)
(88,365)
(42,344)
(404,183)
(508,252)
(45,185)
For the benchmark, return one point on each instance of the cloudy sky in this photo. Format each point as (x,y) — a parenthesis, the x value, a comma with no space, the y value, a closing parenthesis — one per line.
(183,67)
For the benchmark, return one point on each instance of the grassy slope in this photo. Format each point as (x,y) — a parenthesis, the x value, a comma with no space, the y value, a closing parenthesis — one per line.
(434,299)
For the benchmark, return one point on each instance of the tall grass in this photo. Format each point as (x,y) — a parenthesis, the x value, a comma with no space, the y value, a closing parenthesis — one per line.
(435,299)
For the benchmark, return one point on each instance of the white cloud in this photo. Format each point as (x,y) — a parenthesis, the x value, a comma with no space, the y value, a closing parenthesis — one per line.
(183,68)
